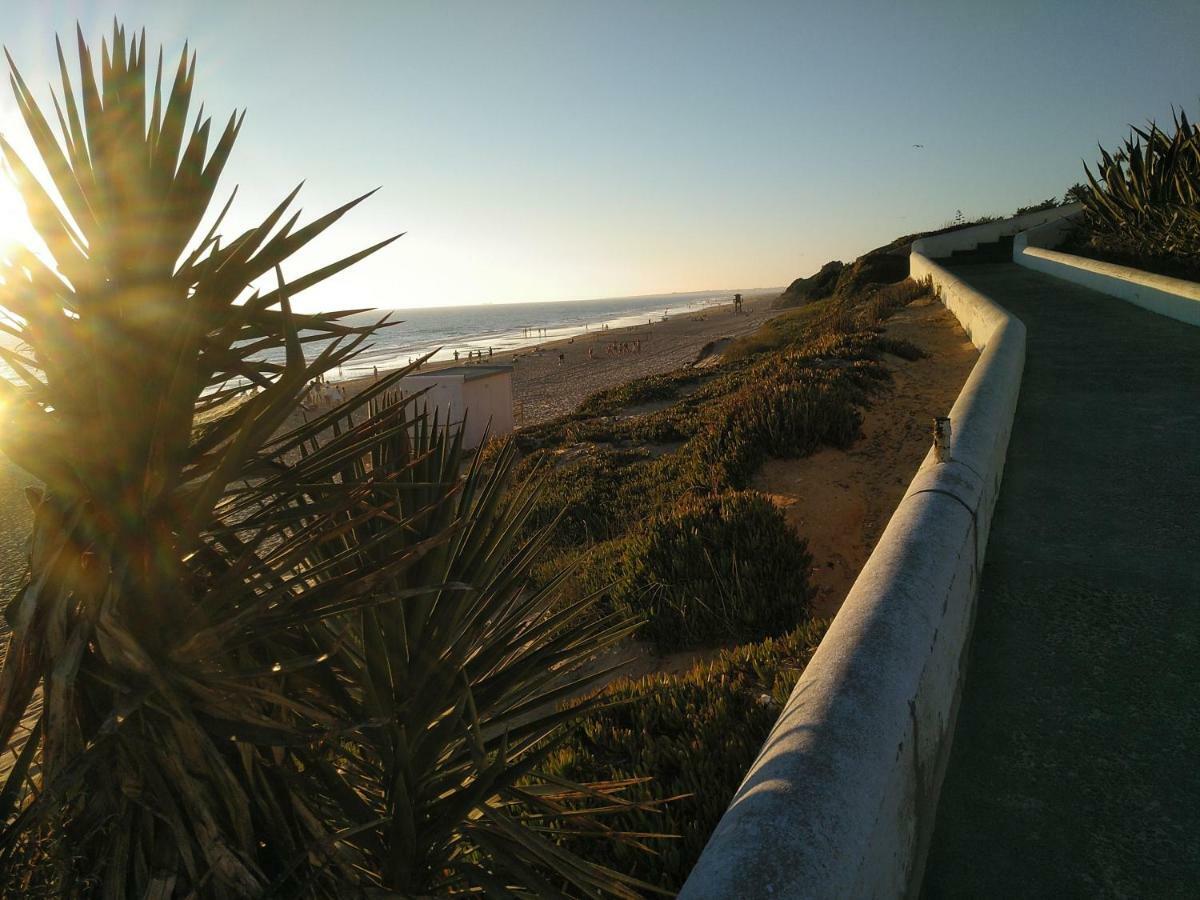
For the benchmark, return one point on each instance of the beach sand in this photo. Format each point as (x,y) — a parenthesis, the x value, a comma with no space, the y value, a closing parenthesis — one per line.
(545,387)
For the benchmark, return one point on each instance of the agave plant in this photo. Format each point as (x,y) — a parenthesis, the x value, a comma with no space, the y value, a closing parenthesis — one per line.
(1147,193)
(248,658)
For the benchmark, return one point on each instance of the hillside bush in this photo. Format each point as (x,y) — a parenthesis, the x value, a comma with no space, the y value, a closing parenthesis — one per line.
(793,419)
(584,494)
(694,735)
(648,389)
(713,569)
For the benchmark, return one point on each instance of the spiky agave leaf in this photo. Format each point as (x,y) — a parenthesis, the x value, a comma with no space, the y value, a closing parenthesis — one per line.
(1146,195)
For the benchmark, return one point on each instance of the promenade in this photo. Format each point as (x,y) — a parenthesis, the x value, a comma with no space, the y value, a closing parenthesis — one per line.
(1073,771)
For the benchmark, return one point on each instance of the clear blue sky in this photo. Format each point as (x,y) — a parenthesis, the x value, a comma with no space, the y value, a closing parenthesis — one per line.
(554,150)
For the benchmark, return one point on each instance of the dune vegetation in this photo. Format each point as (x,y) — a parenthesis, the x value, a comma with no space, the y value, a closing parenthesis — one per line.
(647,478)
(649,490)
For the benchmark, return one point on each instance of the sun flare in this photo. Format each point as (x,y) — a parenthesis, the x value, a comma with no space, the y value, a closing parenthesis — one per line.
(15,229)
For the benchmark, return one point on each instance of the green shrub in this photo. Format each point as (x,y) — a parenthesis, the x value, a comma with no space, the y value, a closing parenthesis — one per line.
(584,493)
(793,419)
(694,735)
(713,569)
(801,408)
(649,389)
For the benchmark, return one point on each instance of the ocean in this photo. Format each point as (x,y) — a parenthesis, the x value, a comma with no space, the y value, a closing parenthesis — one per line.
(504,327)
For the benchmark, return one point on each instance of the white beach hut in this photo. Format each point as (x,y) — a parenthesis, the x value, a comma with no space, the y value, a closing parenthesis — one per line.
(484,393)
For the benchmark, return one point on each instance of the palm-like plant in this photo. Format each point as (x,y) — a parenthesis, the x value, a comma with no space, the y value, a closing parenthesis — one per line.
(247,658)
(460,686)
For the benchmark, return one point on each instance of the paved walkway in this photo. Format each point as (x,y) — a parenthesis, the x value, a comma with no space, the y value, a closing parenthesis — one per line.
(1076,764)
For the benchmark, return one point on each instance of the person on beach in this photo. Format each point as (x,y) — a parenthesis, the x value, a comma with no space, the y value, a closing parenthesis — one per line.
(456,356)
(489,352)
(562,358)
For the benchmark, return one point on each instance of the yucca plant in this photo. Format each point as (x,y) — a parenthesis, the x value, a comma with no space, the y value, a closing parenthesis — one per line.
(463,687)
(250,656)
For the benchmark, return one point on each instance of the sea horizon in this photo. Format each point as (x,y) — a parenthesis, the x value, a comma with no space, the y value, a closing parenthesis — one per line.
(503,327)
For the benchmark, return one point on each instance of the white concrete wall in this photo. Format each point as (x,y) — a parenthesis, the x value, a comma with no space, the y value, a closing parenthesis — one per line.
(443,394)
(1051,234)
(969,238)
(489,408)
(1171,297)
(478,401)
(840,801)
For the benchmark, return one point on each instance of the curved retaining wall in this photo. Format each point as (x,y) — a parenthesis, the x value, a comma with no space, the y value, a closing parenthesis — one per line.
(1171,297)
(938,245)
(841,800)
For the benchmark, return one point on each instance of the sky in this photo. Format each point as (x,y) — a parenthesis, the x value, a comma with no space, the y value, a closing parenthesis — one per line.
(570,149)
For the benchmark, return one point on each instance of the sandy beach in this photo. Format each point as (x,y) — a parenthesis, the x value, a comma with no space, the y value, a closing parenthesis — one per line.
(545,386)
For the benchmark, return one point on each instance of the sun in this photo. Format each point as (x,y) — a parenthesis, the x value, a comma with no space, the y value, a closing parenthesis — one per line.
(15,229)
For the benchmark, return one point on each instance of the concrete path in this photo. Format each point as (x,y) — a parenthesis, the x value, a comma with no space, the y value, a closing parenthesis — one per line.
(1075,770)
